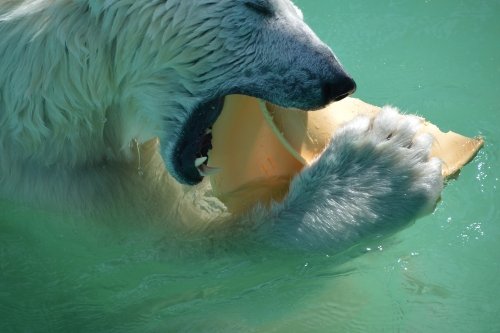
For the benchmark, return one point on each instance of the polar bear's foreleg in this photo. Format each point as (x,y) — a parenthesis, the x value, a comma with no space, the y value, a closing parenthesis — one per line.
(374,177)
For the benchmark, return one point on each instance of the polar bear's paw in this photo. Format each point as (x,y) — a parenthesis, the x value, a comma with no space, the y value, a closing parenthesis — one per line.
(374,177)
(389,160)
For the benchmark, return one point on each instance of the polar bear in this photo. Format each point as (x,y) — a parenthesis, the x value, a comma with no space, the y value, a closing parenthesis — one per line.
(86,86)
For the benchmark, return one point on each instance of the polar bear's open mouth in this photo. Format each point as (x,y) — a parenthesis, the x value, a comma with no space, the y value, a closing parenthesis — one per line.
(189,155)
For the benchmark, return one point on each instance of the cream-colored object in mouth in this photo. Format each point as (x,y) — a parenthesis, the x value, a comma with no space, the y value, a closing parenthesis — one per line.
(259,147)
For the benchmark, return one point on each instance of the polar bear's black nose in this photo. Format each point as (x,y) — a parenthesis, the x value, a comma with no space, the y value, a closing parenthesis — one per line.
(337,88)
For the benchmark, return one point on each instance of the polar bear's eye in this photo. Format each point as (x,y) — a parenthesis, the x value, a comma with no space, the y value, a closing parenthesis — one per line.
(260,7)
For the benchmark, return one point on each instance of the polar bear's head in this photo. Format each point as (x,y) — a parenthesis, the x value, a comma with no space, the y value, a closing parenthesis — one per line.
(198,51)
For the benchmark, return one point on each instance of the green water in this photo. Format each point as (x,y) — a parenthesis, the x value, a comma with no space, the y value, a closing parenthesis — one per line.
(440,59)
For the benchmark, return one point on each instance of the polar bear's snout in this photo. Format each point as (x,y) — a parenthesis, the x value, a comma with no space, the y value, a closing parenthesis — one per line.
(283,61)
(325,81)
(338,87)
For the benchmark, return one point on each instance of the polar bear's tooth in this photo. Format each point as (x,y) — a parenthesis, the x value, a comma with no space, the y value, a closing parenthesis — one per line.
(200,160)
(205,170)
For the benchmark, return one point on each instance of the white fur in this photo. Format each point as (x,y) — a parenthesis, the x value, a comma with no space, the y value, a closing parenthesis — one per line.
(84,82)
